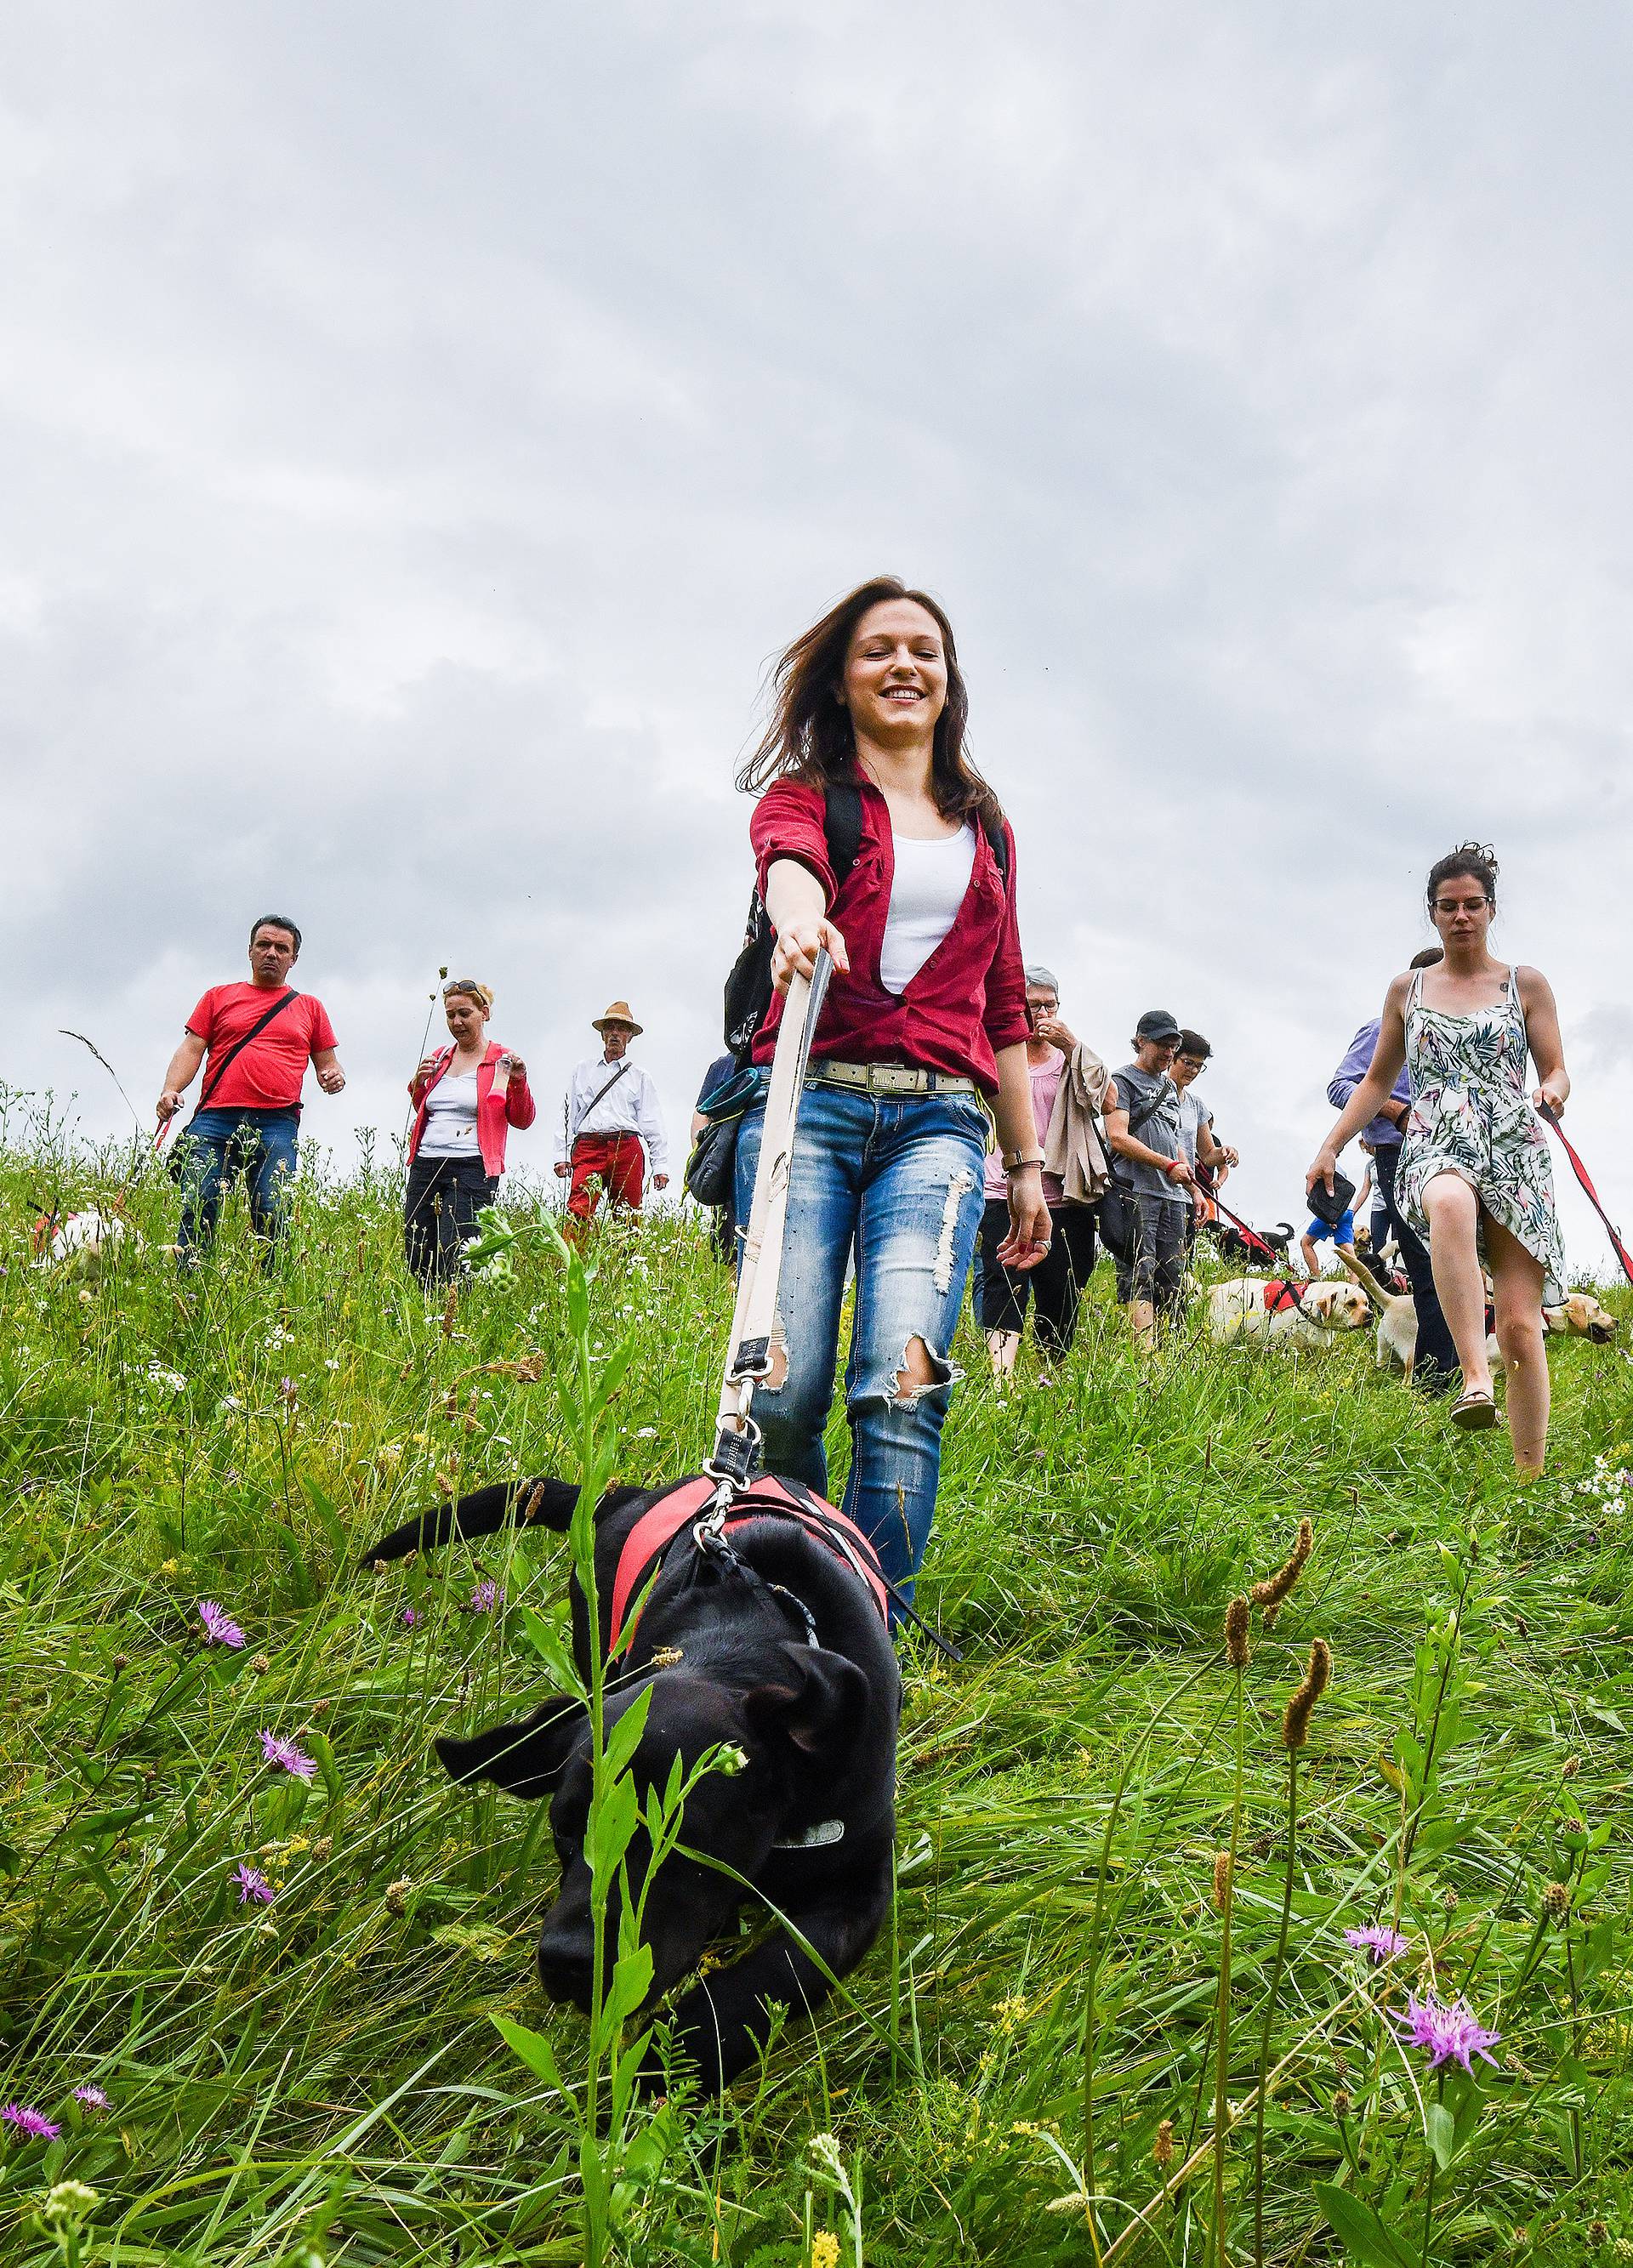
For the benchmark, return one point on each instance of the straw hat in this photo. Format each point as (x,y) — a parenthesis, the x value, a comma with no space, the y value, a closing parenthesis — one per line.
(618,1013)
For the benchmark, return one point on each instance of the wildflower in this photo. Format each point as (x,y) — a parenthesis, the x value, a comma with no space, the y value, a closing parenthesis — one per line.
(1342,2104)
(70,2201)
(252,1883)
(169,1566)
(284,1755)
(486,1598)
(397,1893)
(409,1617)
(1163,2148)
(824,2250)
(1447,2031)
(31,2123)
(1378,1942)
(1449,1899)
(730,1760)
(1295,1721)
(290,1391)
(1571,1766)
(119,1664)
(321,1848)
(1268,1595)
(1222,1879)
(261,1663)
(1556,1901)
(93,2098)
(1598,2235)
(1236,1652)
(218,1626)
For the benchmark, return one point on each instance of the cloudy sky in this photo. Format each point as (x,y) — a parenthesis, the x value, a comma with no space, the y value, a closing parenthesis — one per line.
(419,426)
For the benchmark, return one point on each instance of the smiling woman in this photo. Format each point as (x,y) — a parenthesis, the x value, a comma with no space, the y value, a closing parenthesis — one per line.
(923,1032)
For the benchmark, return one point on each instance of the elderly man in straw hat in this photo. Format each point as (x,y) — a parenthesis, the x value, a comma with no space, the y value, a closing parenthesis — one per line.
(610,1109)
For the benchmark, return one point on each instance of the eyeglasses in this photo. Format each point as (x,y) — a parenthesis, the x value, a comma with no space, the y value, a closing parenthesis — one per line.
(1191,1063)
(1461,905)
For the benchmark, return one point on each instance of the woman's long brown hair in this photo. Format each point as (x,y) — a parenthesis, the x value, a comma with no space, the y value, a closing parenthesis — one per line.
(810,736)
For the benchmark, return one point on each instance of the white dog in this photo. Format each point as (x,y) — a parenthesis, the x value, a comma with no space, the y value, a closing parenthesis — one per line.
(1283,1314)
(82,1241)
(1579,1317)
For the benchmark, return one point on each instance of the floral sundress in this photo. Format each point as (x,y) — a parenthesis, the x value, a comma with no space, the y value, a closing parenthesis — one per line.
(1472,1116)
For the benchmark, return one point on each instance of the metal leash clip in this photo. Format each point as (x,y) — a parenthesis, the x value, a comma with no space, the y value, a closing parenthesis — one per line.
(736,1453)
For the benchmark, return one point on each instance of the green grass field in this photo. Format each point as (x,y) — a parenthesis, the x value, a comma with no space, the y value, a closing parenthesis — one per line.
(320,2077)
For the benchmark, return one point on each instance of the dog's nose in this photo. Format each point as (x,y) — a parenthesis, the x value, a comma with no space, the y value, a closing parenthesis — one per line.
(567,1965)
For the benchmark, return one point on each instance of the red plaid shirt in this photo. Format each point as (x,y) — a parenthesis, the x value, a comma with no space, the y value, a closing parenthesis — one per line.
(967,1001)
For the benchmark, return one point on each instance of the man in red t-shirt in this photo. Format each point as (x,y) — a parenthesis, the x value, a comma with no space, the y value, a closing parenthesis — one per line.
(254,1041)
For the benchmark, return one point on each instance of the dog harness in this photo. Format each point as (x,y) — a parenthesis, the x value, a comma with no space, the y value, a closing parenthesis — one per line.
(663,1520)
(1280,1296)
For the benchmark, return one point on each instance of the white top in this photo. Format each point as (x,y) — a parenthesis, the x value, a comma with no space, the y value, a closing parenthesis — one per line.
(1193,1112)
(451,1117)
(629,1107)
(931,880)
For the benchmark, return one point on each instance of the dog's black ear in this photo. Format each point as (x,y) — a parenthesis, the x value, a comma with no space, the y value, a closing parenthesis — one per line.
(819,1707)
(525,1758)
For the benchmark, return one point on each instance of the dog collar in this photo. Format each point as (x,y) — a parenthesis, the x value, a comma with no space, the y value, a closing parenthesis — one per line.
(814,1839)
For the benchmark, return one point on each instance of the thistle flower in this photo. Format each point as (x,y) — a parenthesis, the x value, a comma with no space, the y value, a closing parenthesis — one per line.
(1447,2031)
(486,1598)
(284,1755)
(1163,2148)
(218,1626)
(93,2098)
(1236,1649)
(1222,1871)
(1268,1595)
(29,2122)
(1295,1720)
(1378,1942)
(408,1617)
(252,1883)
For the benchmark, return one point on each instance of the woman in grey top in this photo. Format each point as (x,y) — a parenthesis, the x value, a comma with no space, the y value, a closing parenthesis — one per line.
(1154,1175)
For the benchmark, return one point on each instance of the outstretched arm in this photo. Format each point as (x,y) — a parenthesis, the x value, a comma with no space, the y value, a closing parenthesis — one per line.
(1370,1096)
(183,1067)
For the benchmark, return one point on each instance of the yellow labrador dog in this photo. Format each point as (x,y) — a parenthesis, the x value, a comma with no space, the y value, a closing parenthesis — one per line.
(1283,1314)
(1579,1317)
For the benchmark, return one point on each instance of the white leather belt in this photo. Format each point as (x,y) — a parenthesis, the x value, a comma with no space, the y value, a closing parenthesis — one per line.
(888,1078)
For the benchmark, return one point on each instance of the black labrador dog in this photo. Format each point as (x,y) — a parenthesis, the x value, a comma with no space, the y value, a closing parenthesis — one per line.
(775,1646)
(1234,1246)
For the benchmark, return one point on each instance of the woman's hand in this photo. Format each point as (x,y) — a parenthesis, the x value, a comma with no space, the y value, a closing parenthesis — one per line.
(1552,1094)
(1031,1228)
(427,1064)
(1057,1034)
(512,1065)
(1323,1169)
(798,941)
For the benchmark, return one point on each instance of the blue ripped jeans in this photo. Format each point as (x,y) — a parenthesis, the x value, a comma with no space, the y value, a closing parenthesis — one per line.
(900,1178)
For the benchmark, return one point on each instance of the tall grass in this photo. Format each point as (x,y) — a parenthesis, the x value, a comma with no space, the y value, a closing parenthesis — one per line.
(321,2077)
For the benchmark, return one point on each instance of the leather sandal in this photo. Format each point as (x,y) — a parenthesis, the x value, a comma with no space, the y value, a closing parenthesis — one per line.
(1474,1412)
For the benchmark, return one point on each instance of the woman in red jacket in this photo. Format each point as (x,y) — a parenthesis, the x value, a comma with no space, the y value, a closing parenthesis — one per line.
(923,1029)
(466,1095)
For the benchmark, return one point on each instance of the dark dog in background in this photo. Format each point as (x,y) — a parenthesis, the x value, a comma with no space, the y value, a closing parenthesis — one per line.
(1235,1246)
(777,1648)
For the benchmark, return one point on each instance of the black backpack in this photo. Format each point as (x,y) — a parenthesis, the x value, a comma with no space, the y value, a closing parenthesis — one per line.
(748,984)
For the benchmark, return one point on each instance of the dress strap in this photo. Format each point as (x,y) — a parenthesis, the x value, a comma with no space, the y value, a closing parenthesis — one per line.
(1414,996)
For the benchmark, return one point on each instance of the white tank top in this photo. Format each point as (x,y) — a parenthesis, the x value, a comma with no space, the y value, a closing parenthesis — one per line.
(451,1118)
(931,880)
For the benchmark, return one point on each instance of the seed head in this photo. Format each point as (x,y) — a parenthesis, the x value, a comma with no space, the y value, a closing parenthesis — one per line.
(1163,2148)
(1597,2235)
(397,1893)
(1571,1766)
(450,1311)
(1237,1651)
(1449,1899)
(1556,1901)
(260,1663)
(120,1663)
(1341,2104)
(321,1848)
(1268,1595)
(1221,1880)
(1295,1721)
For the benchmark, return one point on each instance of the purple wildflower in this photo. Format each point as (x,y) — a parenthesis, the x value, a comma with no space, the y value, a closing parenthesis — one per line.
(410,1617)
(1378,1942)
(486,1597)
(284,1755)
(219,1627)
(1447,2031)
(38,2128)
(93,2098)
(252,1883)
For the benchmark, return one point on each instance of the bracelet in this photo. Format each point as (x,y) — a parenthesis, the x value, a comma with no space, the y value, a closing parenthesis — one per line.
(1014,1164)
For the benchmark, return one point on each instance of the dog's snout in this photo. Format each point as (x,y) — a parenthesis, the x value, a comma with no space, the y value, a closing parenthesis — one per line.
(566,1966)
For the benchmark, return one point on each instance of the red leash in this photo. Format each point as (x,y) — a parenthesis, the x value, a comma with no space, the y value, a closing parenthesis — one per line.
(1252,1234)
(1588,1189)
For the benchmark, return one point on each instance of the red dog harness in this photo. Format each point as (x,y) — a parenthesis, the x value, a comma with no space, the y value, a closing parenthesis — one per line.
(1280,1296)
(779,1499)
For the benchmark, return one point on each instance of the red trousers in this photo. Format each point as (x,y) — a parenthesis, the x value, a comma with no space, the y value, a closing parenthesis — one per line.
(614,1159)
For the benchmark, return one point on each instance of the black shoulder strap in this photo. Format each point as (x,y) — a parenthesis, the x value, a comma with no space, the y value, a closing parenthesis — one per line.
(1148,1110)
(601,1096)
(237,1049)
(992,830)
(842,824)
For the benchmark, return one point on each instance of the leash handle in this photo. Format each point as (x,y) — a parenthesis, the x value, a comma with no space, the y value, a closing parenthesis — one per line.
(749,1357)
(1545,1111)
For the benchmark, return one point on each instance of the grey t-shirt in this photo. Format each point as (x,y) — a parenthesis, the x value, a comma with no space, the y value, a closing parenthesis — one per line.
(1159,1132)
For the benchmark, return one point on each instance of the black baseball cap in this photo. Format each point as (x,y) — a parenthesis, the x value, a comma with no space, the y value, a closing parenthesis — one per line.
(1157,1024)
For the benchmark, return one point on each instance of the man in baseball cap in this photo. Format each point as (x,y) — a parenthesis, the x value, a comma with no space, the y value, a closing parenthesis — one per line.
(609,1113)
(1152,1175)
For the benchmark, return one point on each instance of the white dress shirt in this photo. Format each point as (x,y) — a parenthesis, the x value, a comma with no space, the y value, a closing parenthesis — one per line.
(630,1107)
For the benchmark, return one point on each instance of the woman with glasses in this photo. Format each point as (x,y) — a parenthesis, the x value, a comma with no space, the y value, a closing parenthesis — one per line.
(465,1096)
(1210,1159)
(1475,1164)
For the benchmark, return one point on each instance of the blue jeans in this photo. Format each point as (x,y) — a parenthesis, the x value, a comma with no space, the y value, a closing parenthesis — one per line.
(255,1146)
(900,1179)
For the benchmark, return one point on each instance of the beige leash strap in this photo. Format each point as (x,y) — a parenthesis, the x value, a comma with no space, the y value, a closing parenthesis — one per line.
(736,1448)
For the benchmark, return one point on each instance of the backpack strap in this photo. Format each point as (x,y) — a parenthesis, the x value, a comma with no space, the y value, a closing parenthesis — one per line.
(842,824)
